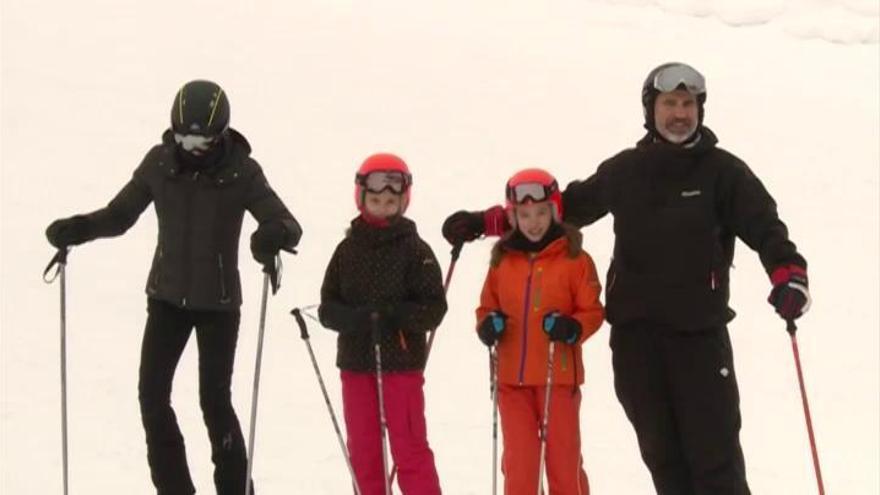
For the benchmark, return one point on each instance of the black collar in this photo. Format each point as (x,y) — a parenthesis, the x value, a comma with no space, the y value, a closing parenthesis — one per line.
(519,242)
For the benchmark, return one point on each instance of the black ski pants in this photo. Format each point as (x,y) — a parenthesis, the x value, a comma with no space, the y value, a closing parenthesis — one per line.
(167,331)
(679,392)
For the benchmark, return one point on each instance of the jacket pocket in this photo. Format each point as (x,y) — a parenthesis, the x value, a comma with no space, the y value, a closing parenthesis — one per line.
(221,273)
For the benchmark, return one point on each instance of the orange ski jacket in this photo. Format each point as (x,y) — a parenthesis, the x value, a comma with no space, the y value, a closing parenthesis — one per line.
(527,286)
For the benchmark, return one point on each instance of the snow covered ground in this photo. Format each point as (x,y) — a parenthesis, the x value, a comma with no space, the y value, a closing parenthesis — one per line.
(466,92)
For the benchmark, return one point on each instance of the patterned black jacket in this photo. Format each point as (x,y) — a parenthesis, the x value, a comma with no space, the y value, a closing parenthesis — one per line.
(388,270)
(677,212)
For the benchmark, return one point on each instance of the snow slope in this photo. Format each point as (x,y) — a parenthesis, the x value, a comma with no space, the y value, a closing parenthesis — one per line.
(466,92)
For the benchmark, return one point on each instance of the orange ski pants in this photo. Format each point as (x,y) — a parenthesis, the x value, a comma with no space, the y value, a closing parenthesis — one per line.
(522,410)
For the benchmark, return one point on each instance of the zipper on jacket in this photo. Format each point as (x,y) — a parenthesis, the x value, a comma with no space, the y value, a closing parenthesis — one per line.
(154,283)
(526,307)
(402,341)
(712,281)
(187,236)
(224,297)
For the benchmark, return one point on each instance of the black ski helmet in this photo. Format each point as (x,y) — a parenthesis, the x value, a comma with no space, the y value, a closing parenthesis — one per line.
(200,107)
(669,77)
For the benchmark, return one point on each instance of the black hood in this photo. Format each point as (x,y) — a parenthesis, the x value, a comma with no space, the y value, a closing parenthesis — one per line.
(362,231)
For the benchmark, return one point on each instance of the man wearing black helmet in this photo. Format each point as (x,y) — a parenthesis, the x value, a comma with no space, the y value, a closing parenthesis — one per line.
(679,202)
(201,180)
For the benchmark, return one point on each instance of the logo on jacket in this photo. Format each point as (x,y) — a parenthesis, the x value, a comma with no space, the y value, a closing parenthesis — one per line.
(690,194)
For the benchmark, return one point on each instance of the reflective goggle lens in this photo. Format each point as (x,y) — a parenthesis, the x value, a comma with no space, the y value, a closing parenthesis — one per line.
(674,76)
(377,182)
(530,191)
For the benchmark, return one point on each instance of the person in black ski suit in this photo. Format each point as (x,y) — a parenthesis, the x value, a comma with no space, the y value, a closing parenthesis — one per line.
(678,202)
(201,180)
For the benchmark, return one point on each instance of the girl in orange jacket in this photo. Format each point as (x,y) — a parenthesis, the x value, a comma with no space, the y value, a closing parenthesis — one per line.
(541,289)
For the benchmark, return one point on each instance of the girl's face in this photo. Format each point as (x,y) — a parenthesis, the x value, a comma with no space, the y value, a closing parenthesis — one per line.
(385,204)
(533,219)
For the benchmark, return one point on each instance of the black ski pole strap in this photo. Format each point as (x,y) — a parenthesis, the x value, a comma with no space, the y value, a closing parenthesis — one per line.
(59,259)
(456,250)
(304,310)
(790,327)
(303,331)
(274,271)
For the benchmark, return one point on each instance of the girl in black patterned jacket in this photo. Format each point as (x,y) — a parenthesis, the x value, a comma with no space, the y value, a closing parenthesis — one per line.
(384,274)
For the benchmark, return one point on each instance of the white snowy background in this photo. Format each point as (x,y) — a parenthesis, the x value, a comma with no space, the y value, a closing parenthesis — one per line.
(467,93)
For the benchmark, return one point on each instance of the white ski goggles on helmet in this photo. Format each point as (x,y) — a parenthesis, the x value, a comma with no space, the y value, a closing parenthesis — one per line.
(677,76)
(194,142)
(531,191)
(378,181)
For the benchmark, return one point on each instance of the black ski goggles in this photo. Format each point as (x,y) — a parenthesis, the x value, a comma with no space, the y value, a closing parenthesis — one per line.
(381,180)
(531,191)
(678,76)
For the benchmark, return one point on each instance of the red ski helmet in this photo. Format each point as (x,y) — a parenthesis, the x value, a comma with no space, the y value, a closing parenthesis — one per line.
(533,185)
(380,172)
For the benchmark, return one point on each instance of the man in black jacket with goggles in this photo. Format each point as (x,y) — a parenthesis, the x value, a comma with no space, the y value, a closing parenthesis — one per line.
(679,202)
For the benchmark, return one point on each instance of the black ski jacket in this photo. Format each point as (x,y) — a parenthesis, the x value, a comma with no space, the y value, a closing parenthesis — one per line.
(677,212)
(195,264)
(391,270)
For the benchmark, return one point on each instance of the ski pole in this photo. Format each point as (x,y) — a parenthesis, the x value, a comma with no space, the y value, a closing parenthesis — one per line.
(456,251)
(792,330)
(256,391)
(493,352)
(60,259)
(545,421)
(383,425)
(304,334)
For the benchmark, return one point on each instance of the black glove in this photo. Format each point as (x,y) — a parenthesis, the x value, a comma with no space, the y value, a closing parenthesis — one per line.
(69,231)
(463,226)
(359,319)
(267,240)
(790,295)
(561,328)
(492,327)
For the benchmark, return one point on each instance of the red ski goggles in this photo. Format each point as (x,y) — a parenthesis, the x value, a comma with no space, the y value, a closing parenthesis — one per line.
(531,191)
(381,180)
(677,75)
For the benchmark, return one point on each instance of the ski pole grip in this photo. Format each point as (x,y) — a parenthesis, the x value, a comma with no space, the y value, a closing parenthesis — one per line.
(303,331)
(456,250)
(790,327)
(374,324)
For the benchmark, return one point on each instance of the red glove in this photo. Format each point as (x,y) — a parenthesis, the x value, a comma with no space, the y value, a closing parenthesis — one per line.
(790,295)
(495,222)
